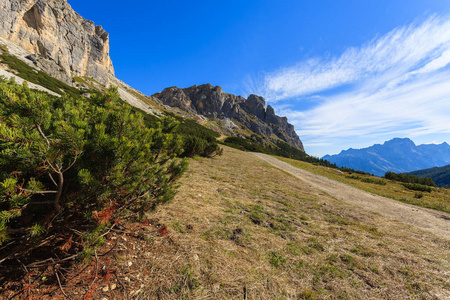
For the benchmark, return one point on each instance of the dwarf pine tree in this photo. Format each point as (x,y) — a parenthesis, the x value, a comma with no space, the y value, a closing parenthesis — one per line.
(65,157)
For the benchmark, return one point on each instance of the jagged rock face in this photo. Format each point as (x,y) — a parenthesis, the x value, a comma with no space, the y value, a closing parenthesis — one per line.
(255,105)
(251,113)
(61,39)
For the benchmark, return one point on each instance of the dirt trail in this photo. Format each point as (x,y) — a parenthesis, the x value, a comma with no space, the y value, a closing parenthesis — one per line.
(427,219)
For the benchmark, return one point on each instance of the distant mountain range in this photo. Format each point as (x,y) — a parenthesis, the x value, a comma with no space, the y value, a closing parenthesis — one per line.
(399,155)
(440,175)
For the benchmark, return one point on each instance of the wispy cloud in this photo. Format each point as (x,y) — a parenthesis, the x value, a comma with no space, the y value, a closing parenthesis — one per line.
(398,83)
(404,52)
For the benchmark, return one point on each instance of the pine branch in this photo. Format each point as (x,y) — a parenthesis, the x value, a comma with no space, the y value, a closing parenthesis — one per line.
(38,127)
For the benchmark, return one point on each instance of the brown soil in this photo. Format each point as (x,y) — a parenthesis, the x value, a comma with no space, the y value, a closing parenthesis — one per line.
(423,218)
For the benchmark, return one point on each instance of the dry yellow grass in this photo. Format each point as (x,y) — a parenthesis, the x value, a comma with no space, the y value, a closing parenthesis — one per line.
(242,229)
(438,199)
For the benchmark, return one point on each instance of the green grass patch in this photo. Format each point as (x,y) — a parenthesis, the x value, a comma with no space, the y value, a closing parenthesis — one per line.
(276,259)
(38,77)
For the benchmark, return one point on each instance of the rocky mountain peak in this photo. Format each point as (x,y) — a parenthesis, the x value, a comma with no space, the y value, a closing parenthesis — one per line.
(400,142)
(62,42)
(255,105)
(235,111)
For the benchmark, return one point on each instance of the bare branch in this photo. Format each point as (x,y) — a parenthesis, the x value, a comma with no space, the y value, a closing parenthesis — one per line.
(59,193)
(38,192)
(38,127)
(96,273)
(53,180)
(60,286)
(29,278)
(42,202)
(52,167)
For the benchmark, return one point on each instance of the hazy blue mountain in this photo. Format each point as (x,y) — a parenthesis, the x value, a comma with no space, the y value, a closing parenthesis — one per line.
(440,175)
(397,155)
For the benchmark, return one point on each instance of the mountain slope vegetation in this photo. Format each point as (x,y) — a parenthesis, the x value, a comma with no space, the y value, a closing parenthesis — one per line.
(81,164)
(225,237)
(440,175)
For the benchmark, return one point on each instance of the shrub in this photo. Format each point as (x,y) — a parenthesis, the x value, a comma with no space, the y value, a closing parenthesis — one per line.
(64,158)
(417,187)
(194,145)
(374,181)
(197,139)
(407,178)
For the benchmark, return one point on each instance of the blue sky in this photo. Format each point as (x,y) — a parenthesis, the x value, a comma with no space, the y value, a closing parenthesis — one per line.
(345,73)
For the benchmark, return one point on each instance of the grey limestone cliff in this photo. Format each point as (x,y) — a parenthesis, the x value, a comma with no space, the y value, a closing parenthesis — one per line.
(61,41)
(251,113)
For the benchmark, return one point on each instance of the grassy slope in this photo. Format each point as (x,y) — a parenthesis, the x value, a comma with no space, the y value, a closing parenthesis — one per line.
(38,77)
(438,199)
(241,226)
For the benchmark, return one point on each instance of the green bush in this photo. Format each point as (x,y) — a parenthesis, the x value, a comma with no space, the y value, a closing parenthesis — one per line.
(196,139)
(374,181)
(407,178)
(194,145)
(418,195)
(248,145)
(417,187)
(71,158)
(366,179)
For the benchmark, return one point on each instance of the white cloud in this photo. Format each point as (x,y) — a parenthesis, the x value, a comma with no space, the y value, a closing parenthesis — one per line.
(395,84)
(415,49)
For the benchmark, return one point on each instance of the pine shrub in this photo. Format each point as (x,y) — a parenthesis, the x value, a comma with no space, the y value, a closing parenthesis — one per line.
(417,187)
(77,158)
(408,178)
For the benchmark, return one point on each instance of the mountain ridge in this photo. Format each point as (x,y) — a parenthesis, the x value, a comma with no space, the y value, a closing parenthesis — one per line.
(234,114)
(397,155)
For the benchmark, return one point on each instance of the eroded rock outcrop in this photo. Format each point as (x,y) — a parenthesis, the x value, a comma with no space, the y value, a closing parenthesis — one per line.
(251,113)
(61,41)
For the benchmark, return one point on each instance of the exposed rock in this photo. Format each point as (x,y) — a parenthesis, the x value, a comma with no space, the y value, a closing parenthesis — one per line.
(251,113)
(61,41)
(255,105)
